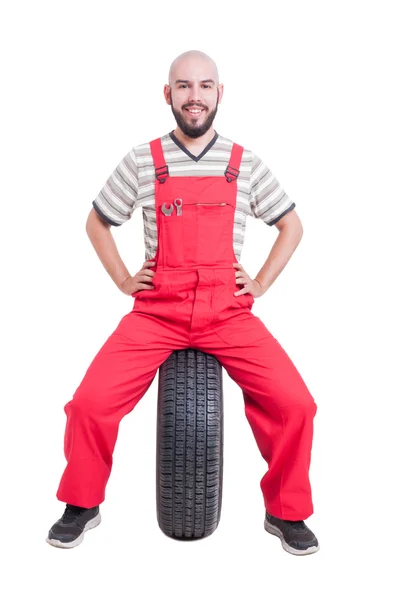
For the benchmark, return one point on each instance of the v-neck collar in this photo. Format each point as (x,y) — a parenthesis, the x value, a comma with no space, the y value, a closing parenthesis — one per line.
(204,151)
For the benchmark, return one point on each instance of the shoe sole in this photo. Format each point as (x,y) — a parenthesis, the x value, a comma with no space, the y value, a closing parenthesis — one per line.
(89,525)
(275,531)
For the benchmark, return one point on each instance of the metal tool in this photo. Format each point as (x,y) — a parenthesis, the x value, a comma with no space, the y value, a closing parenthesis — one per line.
(178,204)
(167,211)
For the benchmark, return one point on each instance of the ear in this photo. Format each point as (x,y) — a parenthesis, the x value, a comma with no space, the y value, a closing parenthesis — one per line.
(166,92)
(220,92)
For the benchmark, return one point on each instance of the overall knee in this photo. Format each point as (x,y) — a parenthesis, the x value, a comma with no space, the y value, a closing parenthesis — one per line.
(85,404)
(309,406)
(303,409)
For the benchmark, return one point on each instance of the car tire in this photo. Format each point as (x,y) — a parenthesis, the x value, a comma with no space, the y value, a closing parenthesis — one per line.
(189,445)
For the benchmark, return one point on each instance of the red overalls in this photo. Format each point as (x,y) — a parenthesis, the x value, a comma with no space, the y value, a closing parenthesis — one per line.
(193,305)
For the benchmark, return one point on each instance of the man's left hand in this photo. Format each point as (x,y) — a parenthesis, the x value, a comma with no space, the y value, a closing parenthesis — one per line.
(250,286)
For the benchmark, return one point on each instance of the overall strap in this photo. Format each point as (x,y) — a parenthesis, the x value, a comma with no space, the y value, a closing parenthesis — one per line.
(161,169)
(232,170)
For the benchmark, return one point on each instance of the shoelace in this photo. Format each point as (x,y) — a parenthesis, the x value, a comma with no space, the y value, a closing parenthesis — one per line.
(71,513)
(297,524)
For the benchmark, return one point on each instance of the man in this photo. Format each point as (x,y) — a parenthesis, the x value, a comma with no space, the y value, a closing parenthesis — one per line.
(196,189)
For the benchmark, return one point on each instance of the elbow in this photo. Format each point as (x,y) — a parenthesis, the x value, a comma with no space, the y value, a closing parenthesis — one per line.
(298,227)
(298,235)
(300,232)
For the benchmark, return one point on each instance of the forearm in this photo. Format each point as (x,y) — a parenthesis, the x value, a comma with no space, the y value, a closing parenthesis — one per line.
(283,248)
(104,244)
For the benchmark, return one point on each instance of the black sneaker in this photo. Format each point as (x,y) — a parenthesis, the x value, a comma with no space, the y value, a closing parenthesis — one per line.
(69,530)
(295,536)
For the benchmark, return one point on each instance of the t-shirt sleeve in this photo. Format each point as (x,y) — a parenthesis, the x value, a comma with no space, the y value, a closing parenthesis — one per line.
(268,201)
(116,200)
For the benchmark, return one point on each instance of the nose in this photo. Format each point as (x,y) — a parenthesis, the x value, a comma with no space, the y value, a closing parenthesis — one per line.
(195,96)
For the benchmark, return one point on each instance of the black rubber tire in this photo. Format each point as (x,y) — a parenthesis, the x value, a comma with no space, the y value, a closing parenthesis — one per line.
(189,445)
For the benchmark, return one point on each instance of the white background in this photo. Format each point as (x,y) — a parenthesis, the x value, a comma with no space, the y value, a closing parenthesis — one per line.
(309,87)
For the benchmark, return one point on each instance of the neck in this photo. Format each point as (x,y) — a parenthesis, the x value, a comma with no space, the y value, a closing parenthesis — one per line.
(196,143)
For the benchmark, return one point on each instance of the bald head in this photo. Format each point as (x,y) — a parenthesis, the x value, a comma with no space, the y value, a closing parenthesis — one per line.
(193,92)
(191,61)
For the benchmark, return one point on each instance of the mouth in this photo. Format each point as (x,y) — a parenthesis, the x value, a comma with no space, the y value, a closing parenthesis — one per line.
(194,112)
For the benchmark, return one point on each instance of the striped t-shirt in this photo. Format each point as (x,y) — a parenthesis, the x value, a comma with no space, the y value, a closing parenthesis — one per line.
(132,185)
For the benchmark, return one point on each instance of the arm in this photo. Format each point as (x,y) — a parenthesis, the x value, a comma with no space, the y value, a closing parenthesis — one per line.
(270,203)
(104,244)
(289,236)
(113,205)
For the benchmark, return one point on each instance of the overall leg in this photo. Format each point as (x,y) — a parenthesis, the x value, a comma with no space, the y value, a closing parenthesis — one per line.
(278,405)
(115,381)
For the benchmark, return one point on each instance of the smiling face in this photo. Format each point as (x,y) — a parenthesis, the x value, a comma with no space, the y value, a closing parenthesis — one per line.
(193,93)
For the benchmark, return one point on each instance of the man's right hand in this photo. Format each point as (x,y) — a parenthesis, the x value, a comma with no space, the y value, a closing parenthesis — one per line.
(140,281)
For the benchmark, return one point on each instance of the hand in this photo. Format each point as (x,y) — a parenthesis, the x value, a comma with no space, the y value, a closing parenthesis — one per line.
(140,281)
(251,286)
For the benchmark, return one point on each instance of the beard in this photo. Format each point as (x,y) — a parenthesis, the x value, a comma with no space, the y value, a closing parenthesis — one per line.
(193,130)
